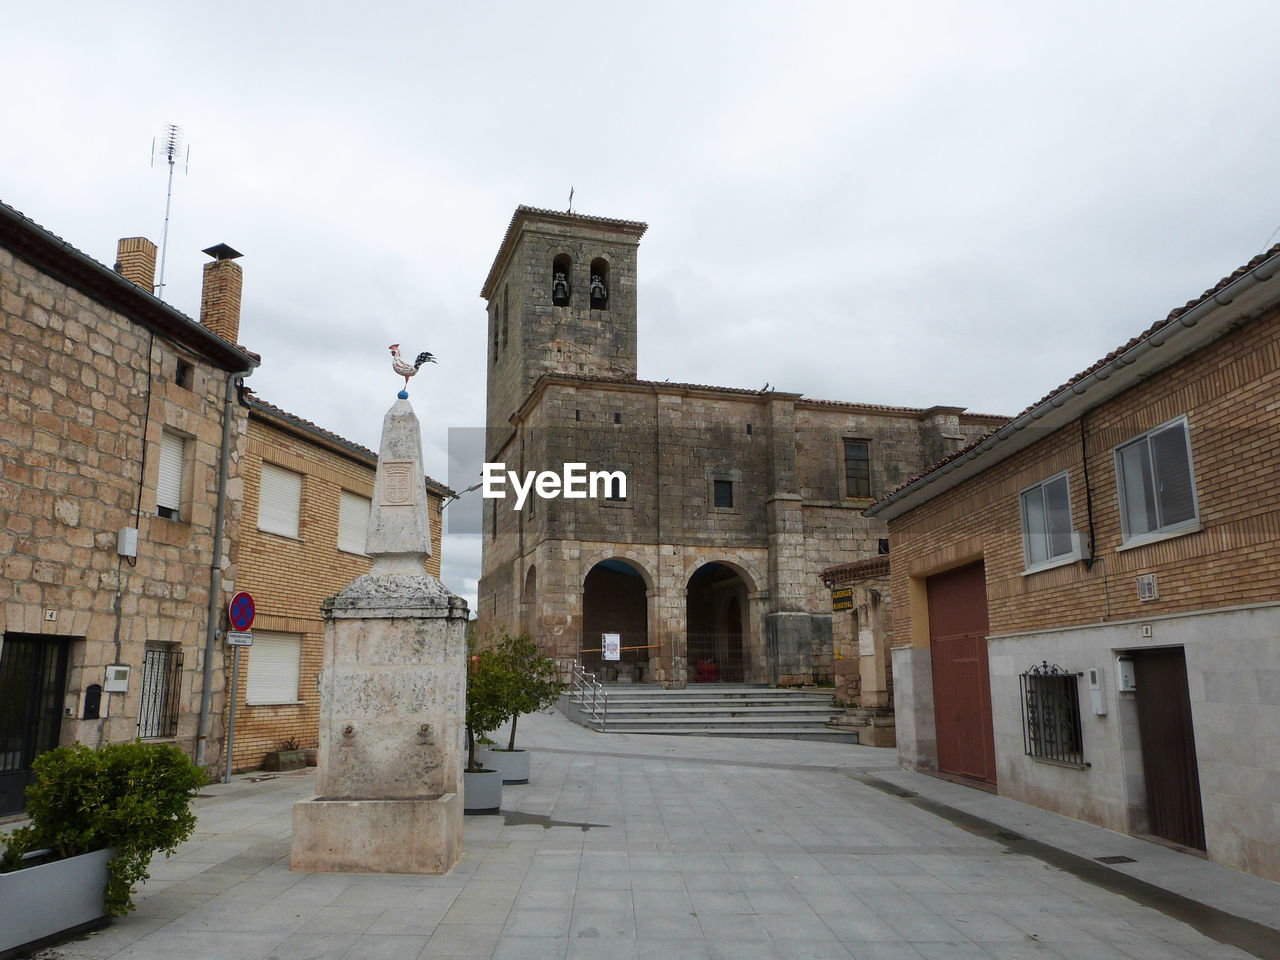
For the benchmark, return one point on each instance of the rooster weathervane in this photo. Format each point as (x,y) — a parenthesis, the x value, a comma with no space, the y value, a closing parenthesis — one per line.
(407,370)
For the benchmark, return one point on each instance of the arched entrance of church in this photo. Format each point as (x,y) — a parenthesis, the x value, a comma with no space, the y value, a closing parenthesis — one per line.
(615,600)
(716,618)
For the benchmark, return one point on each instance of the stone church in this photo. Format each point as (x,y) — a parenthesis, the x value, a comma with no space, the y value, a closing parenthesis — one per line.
(707,563)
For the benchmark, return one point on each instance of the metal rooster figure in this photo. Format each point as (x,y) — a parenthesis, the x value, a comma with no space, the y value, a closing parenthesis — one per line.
(407,370)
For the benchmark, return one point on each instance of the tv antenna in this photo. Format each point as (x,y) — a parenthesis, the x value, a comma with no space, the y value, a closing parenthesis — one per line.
(167,150)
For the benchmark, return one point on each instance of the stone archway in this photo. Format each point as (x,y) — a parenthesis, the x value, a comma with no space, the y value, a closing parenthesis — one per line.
(615,600)
(717,624)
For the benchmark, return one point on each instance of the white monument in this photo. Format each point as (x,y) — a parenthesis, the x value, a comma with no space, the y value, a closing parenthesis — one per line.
(392,693)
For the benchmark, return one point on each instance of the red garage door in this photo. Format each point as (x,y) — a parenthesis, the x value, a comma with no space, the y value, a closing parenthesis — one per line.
(961,681)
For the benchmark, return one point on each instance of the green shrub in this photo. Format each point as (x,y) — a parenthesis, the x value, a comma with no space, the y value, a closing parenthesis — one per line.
(533,679)
(487,683)
(135,797)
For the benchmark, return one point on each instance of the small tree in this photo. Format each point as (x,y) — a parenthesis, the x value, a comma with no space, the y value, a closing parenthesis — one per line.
(488,682)
(135,797)
(534,679)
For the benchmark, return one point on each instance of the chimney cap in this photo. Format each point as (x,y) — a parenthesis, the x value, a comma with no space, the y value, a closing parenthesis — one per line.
(220,251)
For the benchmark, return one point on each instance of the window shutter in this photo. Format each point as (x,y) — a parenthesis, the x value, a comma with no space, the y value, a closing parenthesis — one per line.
(273,668)
(353,522)
(169,484)
(279,501)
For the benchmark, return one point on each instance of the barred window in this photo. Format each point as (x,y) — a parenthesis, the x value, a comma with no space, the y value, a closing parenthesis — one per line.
(1051,715)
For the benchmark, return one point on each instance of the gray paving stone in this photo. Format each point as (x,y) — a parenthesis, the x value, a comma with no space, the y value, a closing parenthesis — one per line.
(775,853)
(462,940)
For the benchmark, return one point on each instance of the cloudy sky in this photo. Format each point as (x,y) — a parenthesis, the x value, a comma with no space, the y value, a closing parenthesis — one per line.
(902,203)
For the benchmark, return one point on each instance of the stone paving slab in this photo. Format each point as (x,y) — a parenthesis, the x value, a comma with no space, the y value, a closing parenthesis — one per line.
(632,847)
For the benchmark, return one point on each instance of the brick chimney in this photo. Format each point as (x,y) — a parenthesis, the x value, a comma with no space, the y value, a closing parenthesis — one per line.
(136,262)
(220,297)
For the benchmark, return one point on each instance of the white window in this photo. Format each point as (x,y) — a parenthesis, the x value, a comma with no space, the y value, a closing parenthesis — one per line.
(273,668)
(1046,523)
(1154,480)
(173,450)
(279,501)
(353,522)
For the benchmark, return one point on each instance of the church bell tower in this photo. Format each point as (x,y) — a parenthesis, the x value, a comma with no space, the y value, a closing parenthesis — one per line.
(561,298)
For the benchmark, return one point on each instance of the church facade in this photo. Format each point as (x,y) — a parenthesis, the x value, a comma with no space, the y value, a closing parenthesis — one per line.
(707,562)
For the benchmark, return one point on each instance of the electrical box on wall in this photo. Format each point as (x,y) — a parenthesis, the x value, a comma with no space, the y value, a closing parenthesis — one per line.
(1126,680)
(117,678)
(127,542)
(1097,690)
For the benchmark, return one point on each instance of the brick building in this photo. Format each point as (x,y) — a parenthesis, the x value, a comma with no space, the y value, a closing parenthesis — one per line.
(117,448)
(736,500)
(306,508)
(1085,603)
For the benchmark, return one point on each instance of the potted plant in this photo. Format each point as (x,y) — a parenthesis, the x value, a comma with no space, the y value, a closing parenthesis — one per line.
(533,683)
(97,817)
(486,710)
(288,757)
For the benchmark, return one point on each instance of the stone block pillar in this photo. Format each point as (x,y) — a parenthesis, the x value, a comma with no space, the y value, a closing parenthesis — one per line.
(392,694)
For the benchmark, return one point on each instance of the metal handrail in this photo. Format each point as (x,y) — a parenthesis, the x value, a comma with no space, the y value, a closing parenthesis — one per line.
(585,702)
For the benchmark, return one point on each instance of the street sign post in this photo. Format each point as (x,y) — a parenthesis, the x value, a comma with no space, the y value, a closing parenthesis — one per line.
(240,613)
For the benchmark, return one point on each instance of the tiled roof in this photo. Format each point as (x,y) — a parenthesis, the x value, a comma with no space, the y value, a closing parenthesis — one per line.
(72,266)
(857,570)
(354,449)
(744,392)
(1173,316)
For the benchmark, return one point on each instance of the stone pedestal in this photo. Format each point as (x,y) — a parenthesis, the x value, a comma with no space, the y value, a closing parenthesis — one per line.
(392,695)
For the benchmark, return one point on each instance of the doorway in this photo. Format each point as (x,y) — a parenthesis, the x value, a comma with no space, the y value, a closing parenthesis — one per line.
(1168,744)
(33,677)
(961,679)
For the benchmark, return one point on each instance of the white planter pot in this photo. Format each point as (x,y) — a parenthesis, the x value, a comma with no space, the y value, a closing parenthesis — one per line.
(37,903)
(512,764)
(481,791)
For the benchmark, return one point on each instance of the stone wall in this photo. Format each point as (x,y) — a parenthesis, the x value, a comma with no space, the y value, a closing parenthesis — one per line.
(788,521)
(88,393)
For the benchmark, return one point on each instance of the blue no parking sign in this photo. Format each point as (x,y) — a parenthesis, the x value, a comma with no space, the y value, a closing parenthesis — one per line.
(241,611)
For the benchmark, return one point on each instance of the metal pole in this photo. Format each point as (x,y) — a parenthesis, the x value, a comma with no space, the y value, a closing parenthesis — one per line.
(231,721)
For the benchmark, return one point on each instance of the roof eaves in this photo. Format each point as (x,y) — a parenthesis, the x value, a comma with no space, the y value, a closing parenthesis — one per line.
(1192,326)
(60,259)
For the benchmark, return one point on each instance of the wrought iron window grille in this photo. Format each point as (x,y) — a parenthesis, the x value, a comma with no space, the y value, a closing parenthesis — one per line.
(1051,715)
(161,686)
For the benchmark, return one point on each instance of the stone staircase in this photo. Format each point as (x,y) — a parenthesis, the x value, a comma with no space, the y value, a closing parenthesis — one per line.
(719,710)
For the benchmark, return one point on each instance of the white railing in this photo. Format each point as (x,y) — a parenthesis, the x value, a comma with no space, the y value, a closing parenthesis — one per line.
(584,700)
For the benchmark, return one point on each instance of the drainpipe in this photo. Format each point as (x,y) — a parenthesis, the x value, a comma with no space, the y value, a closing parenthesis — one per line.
(215,568)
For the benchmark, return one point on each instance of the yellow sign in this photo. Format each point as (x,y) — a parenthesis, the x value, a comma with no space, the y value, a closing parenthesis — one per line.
(842,598)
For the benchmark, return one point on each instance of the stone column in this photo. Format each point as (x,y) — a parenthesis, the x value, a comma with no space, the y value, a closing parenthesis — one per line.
(392,693)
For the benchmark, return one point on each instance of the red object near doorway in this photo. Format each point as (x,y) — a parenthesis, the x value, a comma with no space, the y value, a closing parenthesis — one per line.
(961,679)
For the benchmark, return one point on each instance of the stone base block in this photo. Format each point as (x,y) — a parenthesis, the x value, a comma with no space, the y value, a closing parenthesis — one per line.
(377,836)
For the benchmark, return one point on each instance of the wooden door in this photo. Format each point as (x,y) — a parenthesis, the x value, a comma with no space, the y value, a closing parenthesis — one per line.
(1168,746)
(961,681)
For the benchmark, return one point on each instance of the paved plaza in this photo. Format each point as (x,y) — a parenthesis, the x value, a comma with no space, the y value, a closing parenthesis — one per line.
(630,847)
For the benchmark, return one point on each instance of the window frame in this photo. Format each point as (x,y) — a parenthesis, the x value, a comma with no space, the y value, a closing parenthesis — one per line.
(168,487)
(1161,531)
(844,449)
(253,695)
(346,497)
(1058,560)
(294,532)
(715,493)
